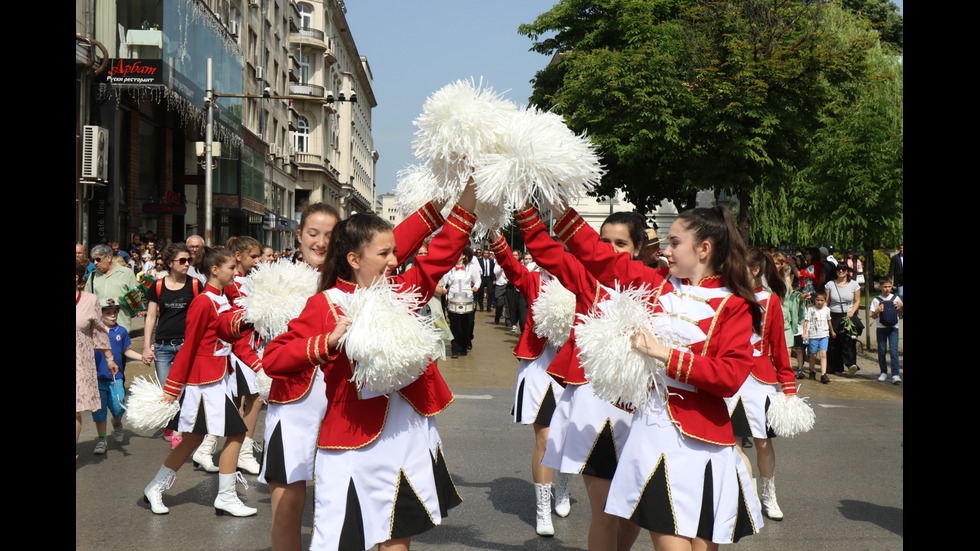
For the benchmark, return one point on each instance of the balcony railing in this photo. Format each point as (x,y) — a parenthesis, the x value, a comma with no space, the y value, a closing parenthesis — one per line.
(311,90)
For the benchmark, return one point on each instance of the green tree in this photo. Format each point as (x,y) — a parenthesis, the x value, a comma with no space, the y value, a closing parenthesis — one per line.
(689,95)
(853,190)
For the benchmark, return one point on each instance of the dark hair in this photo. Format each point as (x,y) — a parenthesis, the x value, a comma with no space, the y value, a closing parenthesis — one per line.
(728,253)
(210,257)
(468,254)
(820,293)
(635,225)
(764,262)
(242,244)
(884,280)
(349,235)
(81,266)
(171,251)
(317,208)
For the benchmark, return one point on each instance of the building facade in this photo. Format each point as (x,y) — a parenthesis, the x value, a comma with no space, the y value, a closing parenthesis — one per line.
(140,87)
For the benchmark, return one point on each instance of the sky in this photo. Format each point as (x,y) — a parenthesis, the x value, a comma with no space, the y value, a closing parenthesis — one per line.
(416,47)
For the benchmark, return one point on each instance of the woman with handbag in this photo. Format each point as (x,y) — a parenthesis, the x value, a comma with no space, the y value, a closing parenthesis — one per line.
(843,298)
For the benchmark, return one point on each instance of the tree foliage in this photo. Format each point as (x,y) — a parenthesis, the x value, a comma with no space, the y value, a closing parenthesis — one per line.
(689,95)
(853,190)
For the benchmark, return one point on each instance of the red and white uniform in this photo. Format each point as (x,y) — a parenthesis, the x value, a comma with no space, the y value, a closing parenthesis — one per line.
(587,433)
(536,394)
(244,356)
(200,372)
(680,446)
(298,398)
(770,370)
(380,455)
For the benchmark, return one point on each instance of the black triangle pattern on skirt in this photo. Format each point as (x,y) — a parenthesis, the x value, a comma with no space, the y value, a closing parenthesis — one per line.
(547,408)
(445,487)
(352,532)
(653,510)
(706,523)
(769,432)
(275,458)
(743,520)
(240,382)
(201,420)
(234,424)
(409,517)
(602,459)
(740,420)
(518,410)
(175,420)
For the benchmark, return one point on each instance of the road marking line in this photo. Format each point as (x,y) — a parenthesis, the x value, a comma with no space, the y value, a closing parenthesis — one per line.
(474,396)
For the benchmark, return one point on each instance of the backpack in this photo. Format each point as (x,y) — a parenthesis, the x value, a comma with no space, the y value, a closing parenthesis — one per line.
(889,314)
(195,286)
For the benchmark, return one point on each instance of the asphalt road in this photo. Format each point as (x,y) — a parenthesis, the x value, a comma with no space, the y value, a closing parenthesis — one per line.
(840,486)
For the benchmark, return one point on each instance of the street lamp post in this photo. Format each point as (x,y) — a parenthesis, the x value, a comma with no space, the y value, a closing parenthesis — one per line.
(210,97)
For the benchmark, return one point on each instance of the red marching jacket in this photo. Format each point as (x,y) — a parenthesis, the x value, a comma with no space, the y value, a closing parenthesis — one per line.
(529,345)
(716,366)
(241,347)
(566,368)
(351,421)
(203,358)
(409,235)
(769,354)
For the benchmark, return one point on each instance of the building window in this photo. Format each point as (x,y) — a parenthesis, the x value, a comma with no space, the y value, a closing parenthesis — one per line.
(305,16)
(301,137)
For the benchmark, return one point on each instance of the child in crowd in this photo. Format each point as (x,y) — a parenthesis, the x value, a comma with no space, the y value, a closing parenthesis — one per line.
(817,330)
(885,309)
(111,387)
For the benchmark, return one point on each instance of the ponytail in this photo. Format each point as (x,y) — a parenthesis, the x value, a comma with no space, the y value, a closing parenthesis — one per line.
(209,257)
(767,269)
(728,253)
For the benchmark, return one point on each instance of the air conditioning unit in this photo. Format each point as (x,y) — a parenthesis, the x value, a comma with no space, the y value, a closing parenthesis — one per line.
(233,28)
(259,73)
(95,153)
(253,3)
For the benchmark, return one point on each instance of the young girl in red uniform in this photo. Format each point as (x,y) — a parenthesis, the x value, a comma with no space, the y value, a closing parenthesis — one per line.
(201,378)
(381,477)
(586,435)
(771,369)
(298,402)
(243,352)
(679,475)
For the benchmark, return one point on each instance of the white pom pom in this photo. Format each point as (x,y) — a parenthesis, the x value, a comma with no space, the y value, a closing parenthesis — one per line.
(789,415)
(554,313)
(387,343)
(263,383)
(459,122)
(145,409)
(278,291)
(537,153)
(417,185)
(490,216)
(618,373)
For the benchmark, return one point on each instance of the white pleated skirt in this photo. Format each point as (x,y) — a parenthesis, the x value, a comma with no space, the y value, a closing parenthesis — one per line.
(674,484)
(291,432)
(536,393)
(397,486)
(587,434)
(208,409)
(748,408)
